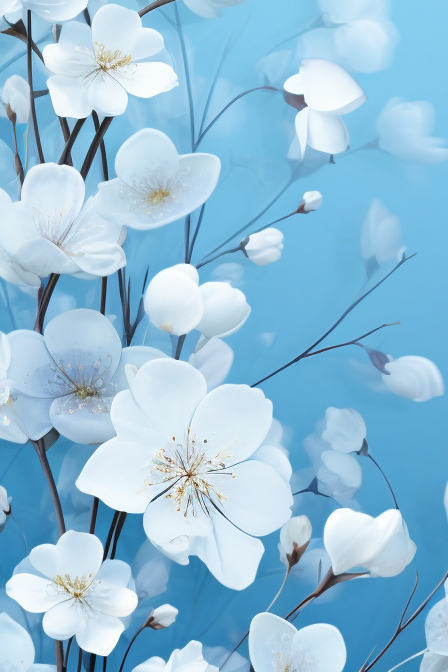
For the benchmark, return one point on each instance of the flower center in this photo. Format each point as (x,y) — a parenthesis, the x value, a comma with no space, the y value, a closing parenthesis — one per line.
(158,196)
(110,60)
(287,660)
(77,588)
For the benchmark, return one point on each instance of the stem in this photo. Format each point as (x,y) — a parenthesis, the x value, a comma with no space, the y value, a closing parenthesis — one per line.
(30,82)
(187,236)
(71,141)
(44,302)
(335,325)
(96,123)
(180,344)
(196,231)
(129,648)
(79,660)
(17,162)
(110,534)
(103,295)
(67,652)
(420,653)
(42,455)
(385,478)
(224,109)
(65,132)
(187,74)
(99,135)
(59,655)
(280,590)
(281,219)
(221,254)
(118,529)
(94,515)
(154,5)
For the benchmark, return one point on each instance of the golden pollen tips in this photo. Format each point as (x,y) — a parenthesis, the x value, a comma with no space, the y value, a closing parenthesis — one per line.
(158,196)
(111,60)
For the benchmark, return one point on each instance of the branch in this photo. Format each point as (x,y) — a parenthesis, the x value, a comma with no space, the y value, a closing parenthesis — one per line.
(29,50)
(154,5)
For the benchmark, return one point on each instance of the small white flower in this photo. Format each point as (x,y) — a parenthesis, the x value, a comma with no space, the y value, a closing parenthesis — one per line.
(275,644)
(436,631)
(16,648)
(405,129)
(345,429)
(210,9)
(78,593)
(339,475)
(413,377)
(225,310)
(164,616)
(265,246)
(50,231)
(329,91)
(381,545)
(381,235)
(181,458)
(294,536)
(188,658)
(55,11)
(16,95)
(154,184)
(95,68)
(312,200)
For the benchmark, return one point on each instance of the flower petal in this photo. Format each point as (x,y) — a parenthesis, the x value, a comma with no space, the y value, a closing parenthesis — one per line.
(326,133)
(79,554)
(30,363)
(148,79)
(53,190)
(44,559)
(116,28)
(32,593)
(16,646)
(68,98)
(63,620)
(100,635)
(85,421)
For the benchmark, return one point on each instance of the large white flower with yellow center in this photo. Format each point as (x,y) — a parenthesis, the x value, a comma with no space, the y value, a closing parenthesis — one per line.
(79,594)
(95,68)
(184,458)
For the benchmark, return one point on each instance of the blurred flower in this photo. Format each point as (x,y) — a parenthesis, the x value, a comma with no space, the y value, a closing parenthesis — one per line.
(404,130)
(338,475)
(11,426)
(436,631)
(295,536)
(50,231)
(17,649)
(380,236)
(5,510)
(188,658)
(413,377)
(52,10)
(312,200)
(433,662)
(80,595)
(329,91)
(181,458)
(210,9)
(16,97)
(276,644)
(69,376)
(225,310)
(265,246)
(163,617)
(345,429)
(95,68)
(214,361)
(10,270)
(381,545)
(154,184)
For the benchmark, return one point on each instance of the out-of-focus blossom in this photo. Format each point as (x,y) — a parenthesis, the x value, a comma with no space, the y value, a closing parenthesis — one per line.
(338,476)
(50,231)
(265,246)
(5,507)
(405,128)
(328,91)
(80,595)
(210,9)
(11,425)
(10,270)
(154,184)
(68,377)
(413,377)
(214,361)
(433,662)
(188,658)
(345,429)
(225,310)
(380,236)
(181,458)
(16,98)
(17,649)
(381,545)
(312,200)
(163,617)
(95,68)
(295,536)
(55,11)
(436,631)
(276,644)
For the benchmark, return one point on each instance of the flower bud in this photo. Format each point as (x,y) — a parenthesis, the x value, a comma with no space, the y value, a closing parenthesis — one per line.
(16,97)
(413,377)
(294,539)
(312,200)
(162,617)
(345,429)
(339,475)
(265,246)
(225,309)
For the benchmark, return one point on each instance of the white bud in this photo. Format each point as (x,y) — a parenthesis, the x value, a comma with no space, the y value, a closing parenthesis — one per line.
(312,200)
(345,429)
(16,94)
(225,309)
(164,615)
(265,246)
(414,377)
(293,536)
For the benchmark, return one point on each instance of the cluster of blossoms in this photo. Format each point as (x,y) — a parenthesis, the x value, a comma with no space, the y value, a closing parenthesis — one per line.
(199,459)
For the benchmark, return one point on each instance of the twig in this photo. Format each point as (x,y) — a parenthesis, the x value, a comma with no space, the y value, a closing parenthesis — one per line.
(99,135)
(154,5)
(187,75)
(94,515)
(42,455)
(70,142)
(30,82)
(44,301)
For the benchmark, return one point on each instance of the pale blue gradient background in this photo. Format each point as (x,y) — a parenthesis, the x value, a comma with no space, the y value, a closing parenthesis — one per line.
(294,300)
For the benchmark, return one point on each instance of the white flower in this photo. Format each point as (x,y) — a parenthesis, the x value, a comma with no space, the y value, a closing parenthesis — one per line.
(10,270)
(181,458)
(163,616)
(345,429)
(265,246)
(312,200)
(405,129)
(17,649)
(225,310)
(381,235)
(189,658)
(51,10)
(5,510)
(49,230)
(11,426)
(275,644)
(68,377)
(294,535)
(329,91)
(339,475)
(413,377)
(433,662)
(16,95)
(154,184)
(381,545)
(436,629)
(78,593)
(95,68)
(210,9)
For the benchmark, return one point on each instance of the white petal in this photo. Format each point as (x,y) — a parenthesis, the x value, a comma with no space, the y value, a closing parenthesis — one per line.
(163,523)
(142,152)
(116,601)
(265,630)
(415,378)
(225,309)
(432,662)
(324,644)
(30,363)
(107,95)
(43,257)
(68,98)
(115,573)
(79,554)
(327,133)
(345,429)
(32,593)
(148,79)
(81,421)
(62,620)
(136,355)
(396,551)
(56,11)
(100,635)
(214,361)
(16,646)
(436,629)
(350,538)
(53,190)
(116,28)
(276,458)
(44,559)
(174,302)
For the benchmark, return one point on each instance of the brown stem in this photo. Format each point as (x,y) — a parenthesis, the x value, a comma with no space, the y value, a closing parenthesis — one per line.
(65,156)
(96,142)
(30,82)
(103,295)
(44,301)
(42,455)
(154,5)
(94,515)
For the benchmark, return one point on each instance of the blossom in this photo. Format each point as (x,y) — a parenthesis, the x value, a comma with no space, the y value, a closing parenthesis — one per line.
(154,184)
(329,91)
(339,475)
(225,310)
(5,507)
(52,10)
(345,429)
(17,649)
(95,68)
(380,235)
(210,9)
(276,644)
(50,231)
(381,545)
(404,130)
(11,427)
(265,246)
(312,200)
(295,536)
(181,457)
(16,98)
(436,631)
(189,658)
(214,361)
(163,616)
(413,377)
(78,593)
(68,377)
